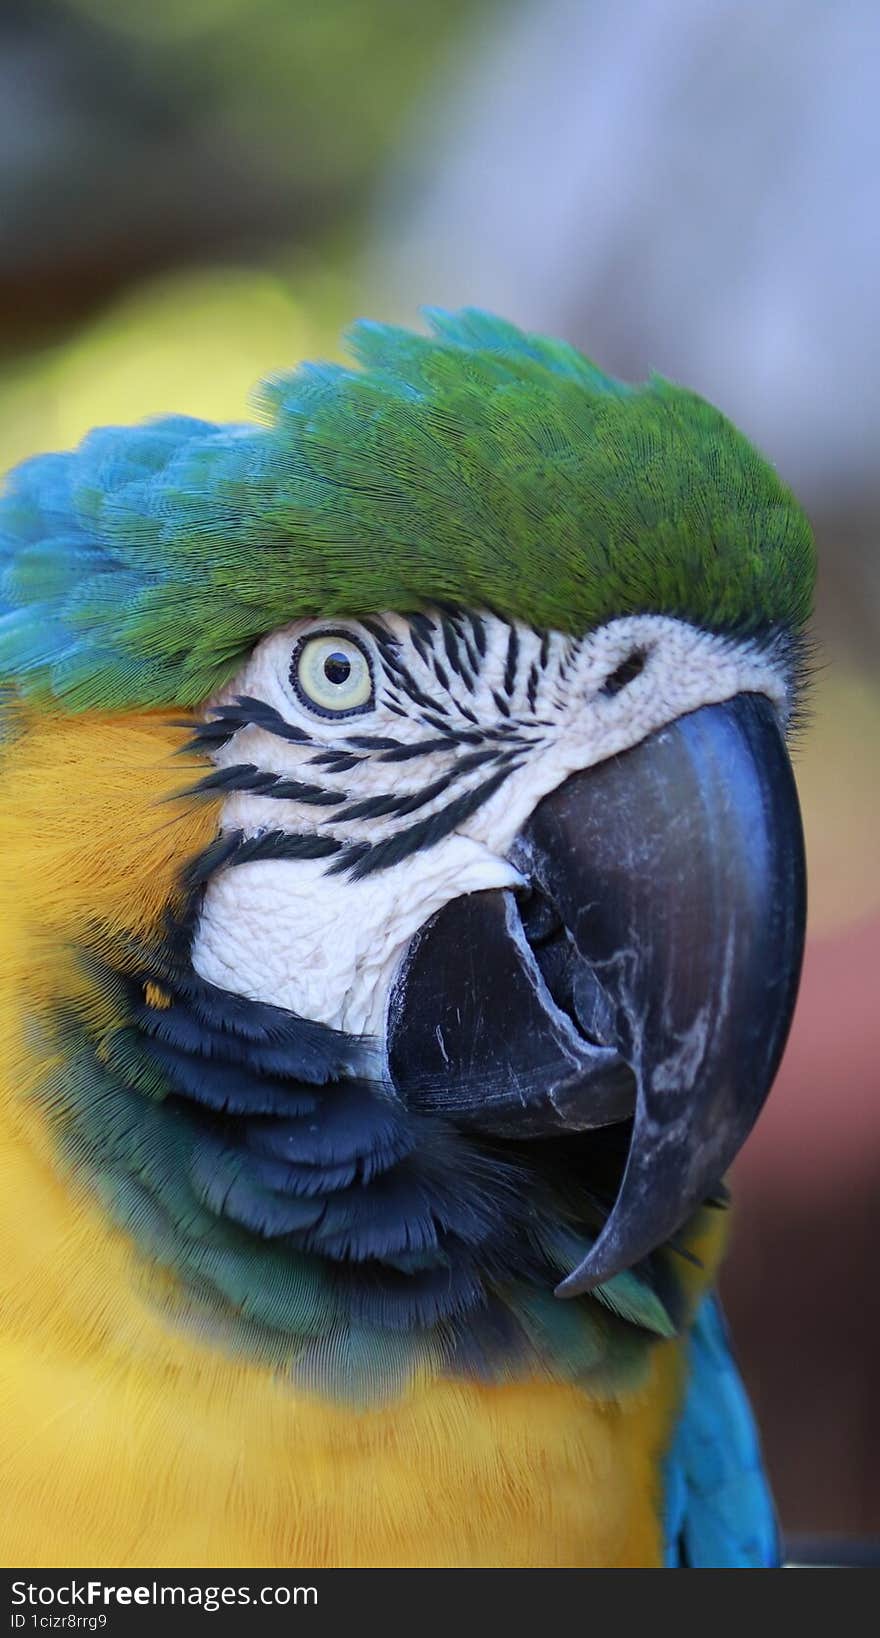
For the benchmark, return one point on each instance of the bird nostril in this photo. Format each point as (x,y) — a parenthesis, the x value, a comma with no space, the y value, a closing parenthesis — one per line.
(626,672)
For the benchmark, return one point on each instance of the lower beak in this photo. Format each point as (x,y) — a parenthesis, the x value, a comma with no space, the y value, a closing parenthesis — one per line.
(649,973)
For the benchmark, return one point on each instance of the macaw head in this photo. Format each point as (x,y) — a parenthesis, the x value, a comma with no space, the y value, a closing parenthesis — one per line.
(482,967)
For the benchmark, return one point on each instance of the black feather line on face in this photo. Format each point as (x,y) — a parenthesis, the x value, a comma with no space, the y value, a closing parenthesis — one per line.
(281,844)
(212,859)
(335,761)
(422,747)
(383,805)
(254,713)
(572,646)
(255,781)
(510,667)
(393,666)
(421,631)
(478,627)
(472,657)
(423,627)
(397,672)
(466,712)
(379,632)
(436,723)
(421,649)
(226,721)
(362,858)
(465,665)
(476,759)
(374,742)
(450,645)
(209,736)
(427,833)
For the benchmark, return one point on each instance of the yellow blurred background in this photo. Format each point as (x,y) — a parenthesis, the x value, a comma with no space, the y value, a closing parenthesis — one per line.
(194,193)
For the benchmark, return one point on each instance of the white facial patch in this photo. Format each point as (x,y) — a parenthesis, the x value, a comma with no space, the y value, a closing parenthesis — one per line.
(416,798)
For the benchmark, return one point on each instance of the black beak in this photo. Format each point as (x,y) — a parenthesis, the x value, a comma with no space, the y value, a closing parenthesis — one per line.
(650,973)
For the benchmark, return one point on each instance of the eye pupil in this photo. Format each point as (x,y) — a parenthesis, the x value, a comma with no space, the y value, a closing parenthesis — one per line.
(337,668)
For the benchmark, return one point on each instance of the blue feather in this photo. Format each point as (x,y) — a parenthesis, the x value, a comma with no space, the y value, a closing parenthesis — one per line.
(719,1513)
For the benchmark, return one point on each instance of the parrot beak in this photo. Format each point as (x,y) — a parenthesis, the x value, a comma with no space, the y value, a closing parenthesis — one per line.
(649,974)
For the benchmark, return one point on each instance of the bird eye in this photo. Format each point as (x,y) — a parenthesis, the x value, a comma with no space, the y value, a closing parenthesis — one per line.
(331,674)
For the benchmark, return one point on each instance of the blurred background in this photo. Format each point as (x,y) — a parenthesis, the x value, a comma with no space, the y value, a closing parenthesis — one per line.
(194,193)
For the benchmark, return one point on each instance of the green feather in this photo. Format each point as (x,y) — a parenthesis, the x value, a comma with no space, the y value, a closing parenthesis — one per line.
(478,465)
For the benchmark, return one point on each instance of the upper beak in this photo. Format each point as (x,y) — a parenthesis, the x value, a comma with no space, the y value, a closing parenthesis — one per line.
(652,973)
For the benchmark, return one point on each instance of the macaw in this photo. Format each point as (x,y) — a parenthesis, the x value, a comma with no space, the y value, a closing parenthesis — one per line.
(403,908)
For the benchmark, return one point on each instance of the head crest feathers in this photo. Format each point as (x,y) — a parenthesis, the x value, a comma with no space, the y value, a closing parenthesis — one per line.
(477,465)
